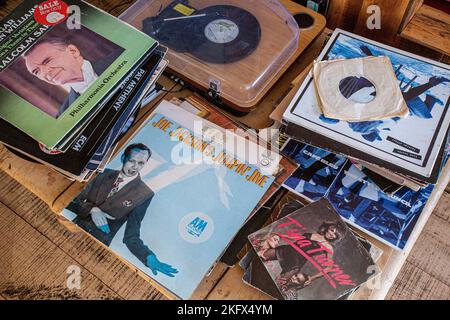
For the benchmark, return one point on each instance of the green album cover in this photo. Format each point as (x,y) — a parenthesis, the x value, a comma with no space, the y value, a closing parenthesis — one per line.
(59,61)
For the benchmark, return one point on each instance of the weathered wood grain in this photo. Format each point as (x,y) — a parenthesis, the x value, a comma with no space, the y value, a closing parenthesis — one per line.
(429,27)
(35,268)
(391,18)
(343,14)
(432,250)
(352,15)
(413,7)
(210,282)
(443,208)
(414,284)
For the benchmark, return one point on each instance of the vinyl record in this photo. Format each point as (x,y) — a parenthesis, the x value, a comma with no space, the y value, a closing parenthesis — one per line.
(169,33)
(224,34)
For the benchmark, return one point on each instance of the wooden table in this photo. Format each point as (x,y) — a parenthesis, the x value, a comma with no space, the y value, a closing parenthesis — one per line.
(108,276)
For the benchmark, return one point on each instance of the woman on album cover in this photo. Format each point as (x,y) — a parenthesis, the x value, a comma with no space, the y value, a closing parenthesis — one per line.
(292,262)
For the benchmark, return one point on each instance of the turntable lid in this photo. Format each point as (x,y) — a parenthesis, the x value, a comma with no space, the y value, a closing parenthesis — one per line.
(240,46)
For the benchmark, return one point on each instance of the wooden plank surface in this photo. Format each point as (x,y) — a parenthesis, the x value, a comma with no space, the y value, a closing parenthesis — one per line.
(435,262)
(35,268)
(260,117)
(413,7)
(49,186)
(127,281)
(426,273)
(343,14)
(414,284)
(430,27)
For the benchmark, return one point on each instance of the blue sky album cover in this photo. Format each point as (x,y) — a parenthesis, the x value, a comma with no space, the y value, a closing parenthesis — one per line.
(316,172)
(178,217)
(412,143)
(388,217)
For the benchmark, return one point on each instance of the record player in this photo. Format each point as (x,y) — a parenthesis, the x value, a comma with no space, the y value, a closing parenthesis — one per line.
(232,50)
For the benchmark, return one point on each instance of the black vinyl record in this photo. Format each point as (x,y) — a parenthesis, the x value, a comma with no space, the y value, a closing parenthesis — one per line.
(217,34)
(168,27)
(225,34)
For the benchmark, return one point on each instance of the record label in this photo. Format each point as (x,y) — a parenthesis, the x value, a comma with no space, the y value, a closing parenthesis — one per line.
(221,31)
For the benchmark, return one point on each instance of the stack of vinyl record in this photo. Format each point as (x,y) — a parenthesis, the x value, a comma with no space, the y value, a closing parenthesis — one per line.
(68,93)
(410,145)
(373,140)
(369,130)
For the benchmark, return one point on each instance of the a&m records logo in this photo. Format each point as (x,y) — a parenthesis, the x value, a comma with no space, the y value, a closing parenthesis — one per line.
(265,161)
(196,227)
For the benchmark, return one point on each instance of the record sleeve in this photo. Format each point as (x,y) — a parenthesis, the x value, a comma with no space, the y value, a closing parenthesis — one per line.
(358,90)
(127,119)
(388,217)
(54,91)
(409,145)
(310,137)
(367,201)
(163,235)
(312,254)
(74,161)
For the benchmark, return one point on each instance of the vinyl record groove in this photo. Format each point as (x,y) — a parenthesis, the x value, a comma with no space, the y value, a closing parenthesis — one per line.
(217,34)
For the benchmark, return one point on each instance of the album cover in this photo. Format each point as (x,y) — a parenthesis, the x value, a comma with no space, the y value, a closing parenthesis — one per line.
(256,275)
(317,169)
(134,206)
(410,144)
(72,162)
(363,198)
(256,219)
(310,137)
(57,76)
(312,254)
(389,218)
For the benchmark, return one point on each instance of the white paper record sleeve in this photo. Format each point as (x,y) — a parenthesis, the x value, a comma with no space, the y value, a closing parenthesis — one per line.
(360,89)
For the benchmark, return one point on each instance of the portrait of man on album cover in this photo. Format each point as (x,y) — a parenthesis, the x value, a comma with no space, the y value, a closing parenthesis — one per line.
(59,68)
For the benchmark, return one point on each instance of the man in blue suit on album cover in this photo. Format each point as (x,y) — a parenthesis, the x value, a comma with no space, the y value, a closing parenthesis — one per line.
(118,197)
